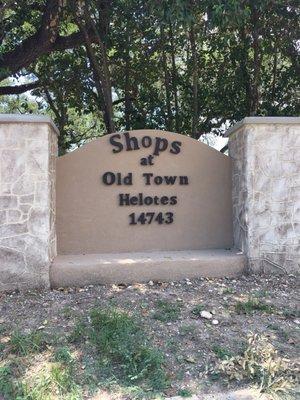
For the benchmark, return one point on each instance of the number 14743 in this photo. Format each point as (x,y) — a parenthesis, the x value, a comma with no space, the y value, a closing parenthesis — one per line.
(149,217)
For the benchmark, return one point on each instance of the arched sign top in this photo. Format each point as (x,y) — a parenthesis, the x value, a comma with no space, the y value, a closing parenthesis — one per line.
(155,140)
(143,190)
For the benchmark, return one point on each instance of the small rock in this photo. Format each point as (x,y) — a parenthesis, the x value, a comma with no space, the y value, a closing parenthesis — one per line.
(215,322)
(41,328)
(297,321)
(206,315)
(150,283)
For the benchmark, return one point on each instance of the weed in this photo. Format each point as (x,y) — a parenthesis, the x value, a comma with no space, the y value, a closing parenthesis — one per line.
(7,387)
(184,392)
(197,309)
(228,290)
(260,364)
(221,352)
(62,377)
(251,305)
(279,331)
(121,342)
(172,344)
(167,311)
(67,312)
(79,332)
(63,355)
(22,344)
(3,329)
(291,313)
(2,347)
(56,382)
(186,330)
(260,293)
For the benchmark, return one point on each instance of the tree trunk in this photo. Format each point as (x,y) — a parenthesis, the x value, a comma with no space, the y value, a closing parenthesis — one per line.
(168,119)
(255,87)
(127,87)
(174,78)
(101,76)
(61,118)
(245,74)
(274,74)
(195,133)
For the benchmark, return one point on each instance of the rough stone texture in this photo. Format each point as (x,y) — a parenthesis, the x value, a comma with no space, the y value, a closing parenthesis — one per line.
(266,192)
(28,150)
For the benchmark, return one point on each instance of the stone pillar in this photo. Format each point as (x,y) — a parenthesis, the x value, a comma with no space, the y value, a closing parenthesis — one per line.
(28,150)
(266,192)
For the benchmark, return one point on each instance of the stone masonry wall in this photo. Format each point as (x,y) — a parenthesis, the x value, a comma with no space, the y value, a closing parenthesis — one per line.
(266,192)
(27,201)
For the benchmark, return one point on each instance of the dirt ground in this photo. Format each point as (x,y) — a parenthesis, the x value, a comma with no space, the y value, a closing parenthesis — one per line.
(170,313)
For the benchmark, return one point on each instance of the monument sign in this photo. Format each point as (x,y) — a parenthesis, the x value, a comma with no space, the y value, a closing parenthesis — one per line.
(146,205)
(143,191)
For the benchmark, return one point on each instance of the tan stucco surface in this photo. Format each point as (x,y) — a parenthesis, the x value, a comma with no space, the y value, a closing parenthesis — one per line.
(80,270)
(90,220)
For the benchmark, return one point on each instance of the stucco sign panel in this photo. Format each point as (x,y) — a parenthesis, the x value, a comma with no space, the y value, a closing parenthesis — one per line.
(142,191)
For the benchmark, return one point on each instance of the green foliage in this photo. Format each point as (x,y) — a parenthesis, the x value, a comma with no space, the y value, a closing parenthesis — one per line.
(120,341)
(197,309)
(167,311)
(63,355)
(186,329)
(221,352)
(24,344)
(291,312)
(251,305)
(7,387)
(183,66)
(184,393)
(78,333)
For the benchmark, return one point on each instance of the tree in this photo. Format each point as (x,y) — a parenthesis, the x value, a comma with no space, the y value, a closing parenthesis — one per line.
(186,66)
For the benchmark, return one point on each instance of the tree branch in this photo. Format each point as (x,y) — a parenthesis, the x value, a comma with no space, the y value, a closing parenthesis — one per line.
(71,41)
(132,98)
(18,89)
(39,43)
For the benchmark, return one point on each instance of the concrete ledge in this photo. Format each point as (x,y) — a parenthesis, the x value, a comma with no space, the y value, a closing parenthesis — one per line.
(262,120)
(27,118)
(81,270)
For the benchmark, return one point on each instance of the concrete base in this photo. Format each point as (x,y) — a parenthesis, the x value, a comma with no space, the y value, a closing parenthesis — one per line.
(81,270)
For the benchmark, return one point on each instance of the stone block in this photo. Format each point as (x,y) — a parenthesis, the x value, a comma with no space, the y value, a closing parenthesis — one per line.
(269,170)
(12,164)
(38,223)
(27,199)
(15,229)
(2,217)
(13,216)
(27,167)
(24,185)
(7,202)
